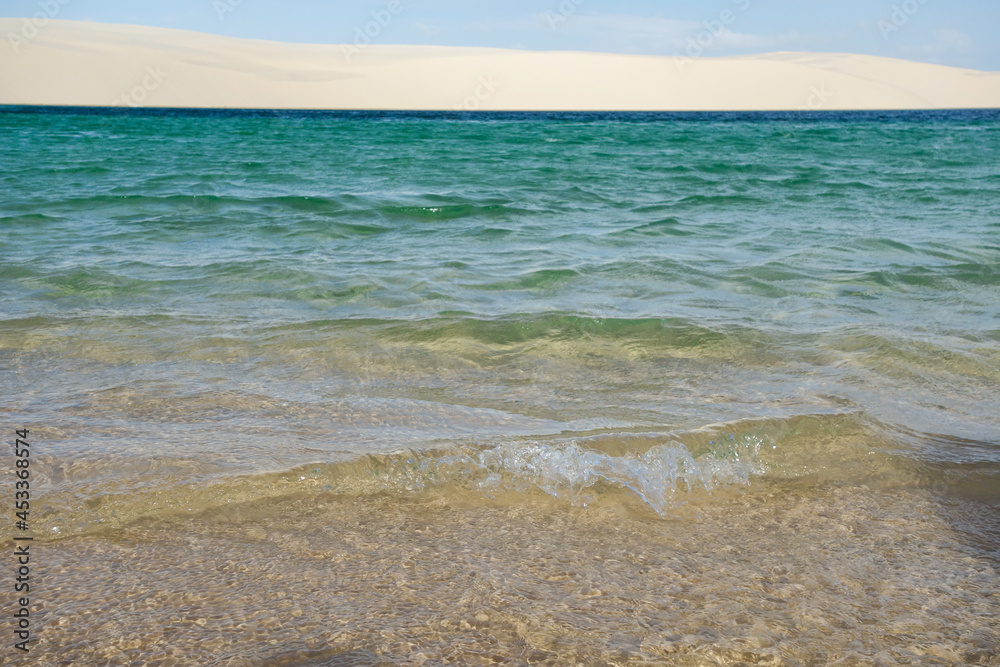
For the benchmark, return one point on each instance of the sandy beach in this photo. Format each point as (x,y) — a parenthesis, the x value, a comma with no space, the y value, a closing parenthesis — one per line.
(95,64)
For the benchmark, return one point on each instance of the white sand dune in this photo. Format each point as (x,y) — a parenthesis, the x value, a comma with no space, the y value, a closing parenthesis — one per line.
(94,64)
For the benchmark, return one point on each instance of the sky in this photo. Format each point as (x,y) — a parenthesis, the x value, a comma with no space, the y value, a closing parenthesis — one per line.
(960,33)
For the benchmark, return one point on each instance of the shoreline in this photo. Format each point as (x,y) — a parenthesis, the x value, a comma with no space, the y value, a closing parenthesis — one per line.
(504,115)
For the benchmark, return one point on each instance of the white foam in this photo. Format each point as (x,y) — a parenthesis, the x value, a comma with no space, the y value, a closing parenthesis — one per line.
(660,476)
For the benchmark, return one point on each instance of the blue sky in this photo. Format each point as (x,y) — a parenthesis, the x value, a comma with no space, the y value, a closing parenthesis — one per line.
(962,33)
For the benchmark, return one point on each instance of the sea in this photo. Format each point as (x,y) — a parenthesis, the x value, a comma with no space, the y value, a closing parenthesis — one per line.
(393,388)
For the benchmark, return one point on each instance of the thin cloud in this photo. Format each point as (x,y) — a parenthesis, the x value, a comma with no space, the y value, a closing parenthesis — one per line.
(644,34)
(425,29)
(952,40)
(948,45)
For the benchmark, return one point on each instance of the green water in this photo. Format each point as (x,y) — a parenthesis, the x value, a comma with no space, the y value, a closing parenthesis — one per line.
(572,342)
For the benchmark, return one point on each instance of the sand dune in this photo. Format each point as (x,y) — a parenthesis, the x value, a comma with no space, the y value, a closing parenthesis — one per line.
(93,64)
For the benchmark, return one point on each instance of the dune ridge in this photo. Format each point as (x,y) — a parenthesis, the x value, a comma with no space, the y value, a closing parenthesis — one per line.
(95,64)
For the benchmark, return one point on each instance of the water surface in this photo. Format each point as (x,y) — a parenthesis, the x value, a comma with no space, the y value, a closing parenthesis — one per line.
(341,388)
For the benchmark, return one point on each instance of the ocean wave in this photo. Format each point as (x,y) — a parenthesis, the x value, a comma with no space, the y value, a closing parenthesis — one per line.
(657,469)
(659,476)
(661,227)
(664,472)
(446,211)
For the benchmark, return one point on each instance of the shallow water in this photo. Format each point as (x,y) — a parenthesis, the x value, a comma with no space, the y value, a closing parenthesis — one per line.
(563,389)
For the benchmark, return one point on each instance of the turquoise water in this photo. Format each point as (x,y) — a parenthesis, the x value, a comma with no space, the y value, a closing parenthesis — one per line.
(549,326)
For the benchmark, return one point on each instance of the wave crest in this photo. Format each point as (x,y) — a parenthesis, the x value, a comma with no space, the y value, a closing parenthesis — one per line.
(660,476)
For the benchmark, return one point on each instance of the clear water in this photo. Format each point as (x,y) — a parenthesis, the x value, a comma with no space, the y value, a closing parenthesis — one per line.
(351,388)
